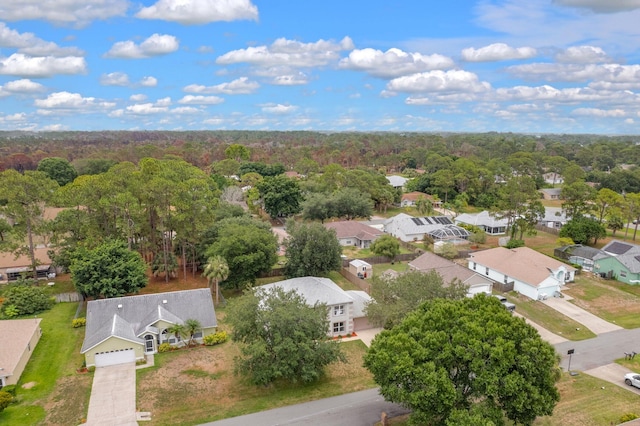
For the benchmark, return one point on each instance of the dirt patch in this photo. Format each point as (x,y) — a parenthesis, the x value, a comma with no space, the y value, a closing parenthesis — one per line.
(29,385)
(612,299)
(62,405)
(190,282)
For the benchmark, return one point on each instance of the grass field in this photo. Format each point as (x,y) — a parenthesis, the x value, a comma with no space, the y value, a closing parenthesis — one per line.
(57,395)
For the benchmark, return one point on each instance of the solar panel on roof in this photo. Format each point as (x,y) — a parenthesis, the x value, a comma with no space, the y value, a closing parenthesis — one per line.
(417,221)
(446,220)
(618,248)
(426,219)
(637,258)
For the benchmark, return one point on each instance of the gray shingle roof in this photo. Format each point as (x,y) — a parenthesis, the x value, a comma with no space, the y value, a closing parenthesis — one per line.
(314,289)
(360,300)
(128,317)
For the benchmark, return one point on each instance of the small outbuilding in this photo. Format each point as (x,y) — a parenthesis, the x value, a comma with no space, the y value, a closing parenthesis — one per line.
(361,268)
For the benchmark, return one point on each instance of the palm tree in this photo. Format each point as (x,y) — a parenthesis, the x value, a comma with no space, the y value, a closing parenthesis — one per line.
(191,326)
(178,330)
(216,270)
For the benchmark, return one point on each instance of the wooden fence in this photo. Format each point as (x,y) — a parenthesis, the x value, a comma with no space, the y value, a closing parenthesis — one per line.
(68,297)
(362,284)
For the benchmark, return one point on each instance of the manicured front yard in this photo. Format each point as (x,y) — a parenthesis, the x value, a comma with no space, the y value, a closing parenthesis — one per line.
(55,394)
(550,319)
(198,385)
(611,300)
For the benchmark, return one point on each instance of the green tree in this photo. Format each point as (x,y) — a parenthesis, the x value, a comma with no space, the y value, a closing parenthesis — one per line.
(281,336)
(605,201)
(109,270)
(58,169)
(583,229)
(424,206)
(248,246)
(226,167)
(395,297)
(578,198)
(519,202)
(215,271)
(237,152)
(26,299)
(351,203)
(281,196)
(179,331)
(318,206)
(93,166)
(191,326)
(465,355)
(311,250)
(386,245)
(25,196)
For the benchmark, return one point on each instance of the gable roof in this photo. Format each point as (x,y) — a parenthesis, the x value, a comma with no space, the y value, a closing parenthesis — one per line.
(410,225)
(579,250)
(358,263)
(554,214)
(16,335)
(626,253)
(522,263)
(360,301)
(618,247)
(484,218)
(416,195)
(8,260)
(354,229)
(551,191)
(447,269)
(396,181)
(313,289)
(128,317)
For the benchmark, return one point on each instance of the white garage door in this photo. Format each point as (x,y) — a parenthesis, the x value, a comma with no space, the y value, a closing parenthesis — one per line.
(115,357)
(479,288)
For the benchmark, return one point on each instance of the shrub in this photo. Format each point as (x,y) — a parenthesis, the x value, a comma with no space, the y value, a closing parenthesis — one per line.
(165,347)
(5,399)
(11,311)
(515,243)
(79,322)
(10,389)
(215,338)
(91,369)
(628,417)
(479,237)
(27,300)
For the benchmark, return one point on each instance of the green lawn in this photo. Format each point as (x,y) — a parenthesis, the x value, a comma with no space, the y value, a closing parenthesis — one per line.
(379,268)
(59,395)
(550,319)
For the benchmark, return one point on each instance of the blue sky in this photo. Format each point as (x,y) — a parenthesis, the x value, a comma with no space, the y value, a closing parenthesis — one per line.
(538,66)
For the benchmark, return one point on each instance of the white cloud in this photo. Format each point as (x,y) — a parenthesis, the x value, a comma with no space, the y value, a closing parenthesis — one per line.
(20,87)
(201,100)
(20,116)
(393,63)
(601,6)
(567,95)
(278,108)
(156,45)
(66,101)
(115,79)
(240,86)
(497,52)
(439,81)
(149,81)
(296,79)
(146,109)
(186,111)
(69,12)
(290,53)
(139,97)
(26,66)
(596,112)
(582,55)
(613,73)
(191,12)
(29,44)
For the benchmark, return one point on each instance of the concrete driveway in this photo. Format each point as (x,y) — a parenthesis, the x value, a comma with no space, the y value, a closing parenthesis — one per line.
(592,322)
(613,373)
(113,396)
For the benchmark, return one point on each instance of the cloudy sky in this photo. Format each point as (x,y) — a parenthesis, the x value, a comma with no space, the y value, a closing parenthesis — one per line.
(541,66)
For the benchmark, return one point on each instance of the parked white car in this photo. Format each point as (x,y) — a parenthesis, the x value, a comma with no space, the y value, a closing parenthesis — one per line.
(632,379)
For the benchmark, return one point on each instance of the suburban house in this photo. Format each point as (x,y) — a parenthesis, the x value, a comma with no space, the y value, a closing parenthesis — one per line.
(578,254)
(361,268)
(125,329)
(485,221)
(346,308)
(352,233)
(20,338)
(409,228)
(553,178)
(409,199)
(620,261)
(550,193)
(12,268)
(449,271)
(554,217)
(522,269)
(396,181)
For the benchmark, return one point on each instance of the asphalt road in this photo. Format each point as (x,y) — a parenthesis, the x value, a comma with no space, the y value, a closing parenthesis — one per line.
(353,409)
(364,408)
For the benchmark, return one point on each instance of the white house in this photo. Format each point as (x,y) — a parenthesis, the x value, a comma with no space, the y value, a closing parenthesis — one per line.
(485,221)
(409,228)
(533,274)
(353,233)
(396,181)
(345,308)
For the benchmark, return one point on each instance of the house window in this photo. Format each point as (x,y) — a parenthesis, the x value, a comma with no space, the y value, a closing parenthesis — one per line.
(338,327)
(474,266)
(623,274)
(486,271)
(338,310)
(197,334)
(506,279)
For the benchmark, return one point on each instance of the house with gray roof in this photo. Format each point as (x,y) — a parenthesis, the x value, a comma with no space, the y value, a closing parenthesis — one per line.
(554,217)
(527,271)
(579,254)
(353,233)
(620,260)
(449,271)
(397,182)
(125,329)
(345,308)
(19,339)
(409,228)
(551,193)
(484,220)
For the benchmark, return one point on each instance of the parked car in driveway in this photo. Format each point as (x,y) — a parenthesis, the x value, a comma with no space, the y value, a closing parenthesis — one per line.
(508,305)
(632,379)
